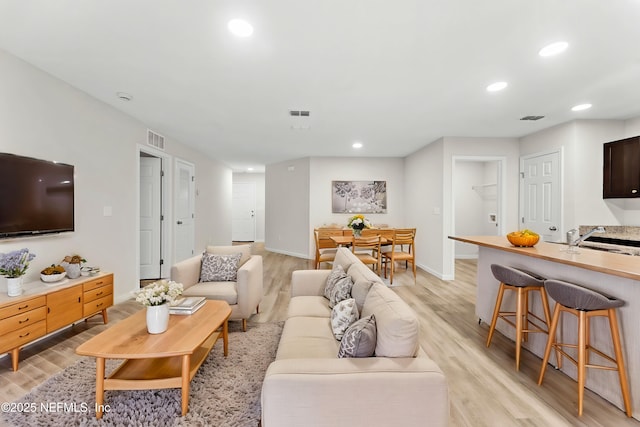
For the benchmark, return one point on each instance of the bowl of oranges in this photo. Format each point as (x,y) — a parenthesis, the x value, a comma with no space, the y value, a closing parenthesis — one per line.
(523,238)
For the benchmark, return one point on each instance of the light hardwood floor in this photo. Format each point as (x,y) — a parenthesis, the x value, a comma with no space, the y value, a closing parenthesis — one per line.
(484,387)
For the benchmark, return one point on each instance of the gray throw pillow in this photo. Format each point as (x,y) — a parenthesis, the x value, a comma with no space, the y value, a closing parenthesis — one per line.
(359,340)
(342,316)
(337,273)
(219,268)
(341,291)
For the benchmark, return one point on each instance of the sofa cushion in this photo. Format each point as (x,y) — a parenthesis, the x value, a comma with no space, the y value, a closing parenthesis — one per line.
(219,268)
(309,306)
(307,338)
(337,273)
(359,292)
(342,316)
(341,291)
(396,324)
(244,250)
(225,291)
(359,340)
(359,271)
(344,258)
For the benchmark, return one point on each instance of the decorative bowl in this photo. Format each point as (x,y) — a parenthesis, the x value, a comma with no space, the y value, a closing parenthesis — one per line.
(527,240)
(50,278)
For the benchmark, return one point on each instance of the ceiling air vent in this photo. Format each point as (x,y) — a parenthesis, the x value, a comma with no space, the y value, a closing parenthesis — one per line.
(155,140)
(299,113)
(532,118)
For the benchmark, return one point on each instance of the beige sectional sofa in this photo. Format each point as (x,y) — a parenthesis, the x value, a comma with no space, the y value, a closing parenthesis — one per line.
(309,385)
(243,295)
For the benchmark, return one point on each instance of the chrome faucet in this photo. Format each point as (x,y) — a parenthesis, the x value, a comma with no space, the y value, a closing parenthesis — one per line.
(587,235)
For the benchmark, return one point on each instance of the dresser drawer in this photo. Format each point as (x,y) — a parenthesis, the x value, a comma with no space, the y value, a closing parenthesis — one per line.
(22,306)
(98,305)
(96,293)
(22,320)
(18,338)
(96,283)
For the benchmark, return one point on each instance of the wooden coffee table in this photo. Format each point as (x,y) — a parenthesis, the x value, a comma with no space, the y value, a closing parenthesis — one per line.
(167,360)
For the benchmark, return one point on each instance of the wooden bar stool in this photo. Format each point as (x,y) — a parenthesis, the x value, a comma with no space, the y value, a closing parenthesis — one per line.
(584,304)
(522,282)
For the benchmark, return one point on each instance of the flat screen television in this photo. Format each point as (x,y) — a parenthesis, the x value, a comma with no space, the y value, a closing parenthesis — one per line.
(36,196)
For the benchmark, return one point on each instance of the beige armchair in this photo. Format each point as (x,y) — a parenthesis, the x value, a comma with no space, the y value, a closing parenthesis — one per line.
(244,295)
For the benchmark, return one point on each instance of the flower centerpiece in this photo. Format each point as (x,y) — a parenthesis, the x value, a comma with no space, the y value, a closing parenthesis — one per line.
(14,265)
(156,297)
(358,223)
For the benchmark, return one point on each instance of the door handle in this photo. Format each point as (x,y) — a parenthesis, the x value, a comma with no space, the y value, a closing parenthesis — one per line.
(179,222)
(553,228)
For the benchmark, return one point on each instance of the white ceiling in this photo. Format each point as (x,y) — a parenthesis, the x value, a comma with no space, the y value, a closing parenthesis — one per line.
(394,74)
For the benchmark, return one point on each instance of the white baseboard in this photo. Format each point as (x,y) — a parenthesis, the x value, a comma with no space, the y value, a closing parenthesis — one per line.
(467,256)
(293,254)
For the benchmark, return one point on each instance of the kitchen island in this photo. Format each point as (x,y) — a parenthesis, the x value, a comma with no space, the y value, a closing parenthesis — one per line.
(610,273)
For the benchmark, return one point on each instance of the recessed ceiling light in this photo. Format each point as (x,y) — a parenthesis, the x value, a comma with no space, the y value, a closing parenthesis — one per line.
(495,87)
(240,27)
(357,145)
(250,169)
(581,107)
(124,96)
(553,49)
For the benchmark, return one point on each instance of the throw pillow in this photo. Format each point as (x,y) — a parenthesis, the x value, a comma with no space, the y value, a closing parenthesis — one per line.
(341,291)
(359,340)
(342,316)
(337,273)
(219,268)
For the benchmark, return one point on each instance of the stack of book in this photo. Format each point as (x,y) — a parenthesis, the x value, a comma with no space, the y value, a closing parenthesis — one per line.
(185,306)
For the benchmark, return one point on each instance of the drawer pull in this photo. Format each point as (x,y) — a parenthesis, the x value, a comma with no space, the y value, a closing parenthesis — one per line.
(22,308)
(98,305)
(100,293)
(25,335)
(99,283)
(24,321)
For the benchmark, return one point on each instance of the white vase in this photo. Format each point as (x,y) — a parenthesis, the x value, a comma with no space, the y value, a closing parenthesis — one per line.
(14,286)
(157,318)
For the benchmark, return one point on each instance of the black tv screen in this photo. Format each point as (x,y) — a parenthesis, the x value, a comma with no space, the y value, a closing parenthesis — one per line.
(36,196)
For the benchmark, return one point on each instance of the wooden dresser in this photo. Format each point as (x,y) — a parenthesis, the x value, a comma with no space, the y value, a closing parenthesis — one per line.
(43,309)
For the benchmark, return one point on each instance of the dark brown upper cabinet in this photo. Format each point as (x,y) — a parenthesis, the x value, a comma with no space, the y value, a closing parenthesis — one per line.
(622,168)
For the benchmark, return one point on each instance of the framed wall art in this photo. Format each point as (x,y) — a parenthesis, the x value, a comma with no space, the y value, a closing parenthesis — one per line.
(359,196)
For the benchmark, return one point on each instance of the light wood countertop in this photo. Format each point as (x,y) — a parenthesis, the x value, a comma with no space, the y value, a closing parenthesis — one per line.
(601,261)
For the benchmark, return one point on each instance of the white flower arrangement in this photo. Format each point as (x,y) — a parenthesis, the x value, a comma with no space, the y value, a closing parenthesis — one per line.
(158,293)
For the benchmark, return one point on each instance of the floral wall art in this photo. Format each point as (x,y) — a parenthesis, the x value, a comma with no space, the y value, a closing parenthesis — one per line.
(359,196)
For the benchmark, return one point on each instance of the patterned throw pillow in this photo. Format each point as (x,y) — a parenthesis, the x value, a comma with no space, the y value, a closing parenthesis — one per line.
(219,268)
(337,273)
(359,340)
(341,291)
(342,316)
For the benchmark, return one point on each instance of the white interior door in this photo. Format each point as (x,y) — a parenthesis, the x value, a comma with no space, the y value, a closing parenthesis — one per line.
(184,210)
(244,212)
(541,204)
(150,217)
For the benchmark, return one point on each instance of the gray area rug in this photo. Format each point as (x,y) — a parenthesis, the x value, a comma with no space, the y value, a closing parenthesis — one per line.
(224,392)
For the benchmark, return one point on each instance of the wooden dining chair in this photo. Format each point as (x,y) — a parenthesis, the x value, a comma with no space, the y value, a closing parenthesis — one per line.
(401,237)
(325,247)
(367,249)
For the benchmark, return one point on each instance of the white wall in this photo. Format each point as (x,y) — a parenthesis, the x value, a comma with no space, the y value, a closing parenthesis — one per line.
(423,177)
(259,180)
(287,207)
(323,170)
(46,118)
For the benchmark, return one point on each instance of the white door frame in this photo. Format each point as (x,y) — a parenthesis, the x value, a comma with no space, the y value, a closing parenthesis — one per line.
(192,201)
(502,206)
(560,152)
(166,241)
